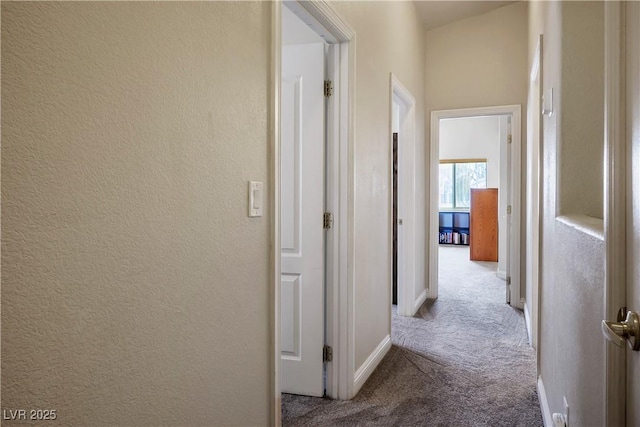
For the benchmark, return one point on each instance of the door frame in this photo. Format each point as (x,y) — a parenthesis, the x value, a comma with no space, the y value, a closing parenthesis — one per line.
(534,202)
(408,304)
(340,256)
(513,198)
(615,192)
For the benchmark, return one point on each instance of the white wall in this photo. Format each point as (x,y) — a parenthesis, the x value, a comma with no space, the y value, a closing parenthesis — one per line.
(135,289)
(571,357)
(582,148)
(473,138)
(390,38)
(480,61)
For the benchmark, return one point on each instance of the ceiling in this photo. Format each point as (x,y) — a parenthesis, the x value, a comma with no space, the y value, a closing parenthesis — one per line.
(437,13)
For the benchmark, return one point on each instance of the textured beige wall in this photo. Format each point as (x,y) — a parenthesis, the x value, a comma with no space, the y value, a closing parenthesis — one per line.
(477,62)
(389,38)
(572,356)
(582,148)
(135,288)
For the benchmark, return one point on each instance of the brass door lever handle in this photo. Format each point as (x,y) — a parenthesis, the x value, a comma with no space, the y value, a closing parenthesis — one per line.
(623,330)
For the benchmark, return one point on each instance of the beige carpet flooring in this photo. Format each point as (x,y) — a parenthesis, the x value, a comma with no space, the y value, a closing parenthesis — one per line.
(463,360)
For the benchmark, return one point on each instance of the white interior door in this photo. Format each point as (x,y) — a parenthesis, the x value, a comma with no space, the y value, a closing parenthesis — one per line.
(633,184)
(302,207)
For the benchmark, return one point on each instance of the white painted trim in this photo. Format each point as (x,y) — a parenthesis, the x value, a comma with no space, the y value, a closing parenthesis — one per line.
(434,207)
(347,242)
(328,23)
(275,415)
(364,372)
(516,212)
(419,301)
(544,404)
(333,205)
(340,302)
(527,321)
(515,191)
(406,178)
(537,73)
(615,174)
(502,274)
(534,196)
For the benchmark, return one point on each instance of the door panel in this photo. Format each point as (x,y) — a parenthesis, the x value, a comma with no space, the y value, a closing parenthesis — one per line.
(302,203)
(633,220)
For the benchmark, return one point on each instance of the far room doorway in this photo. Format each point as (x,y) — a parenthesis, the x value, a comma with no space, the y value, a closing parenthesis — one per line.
(472,242)
(473,232)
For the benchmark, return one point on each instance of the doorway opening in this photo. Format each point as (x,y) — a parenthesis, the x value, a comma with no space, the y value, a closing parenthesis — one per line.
(302,201)
(472,243)
(394,266)
(406,296)
(475,195)
(326,328)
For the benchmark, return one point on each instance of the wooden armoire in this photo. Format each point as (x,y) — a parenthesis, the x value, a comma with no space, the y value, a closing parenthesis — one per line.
(483,227)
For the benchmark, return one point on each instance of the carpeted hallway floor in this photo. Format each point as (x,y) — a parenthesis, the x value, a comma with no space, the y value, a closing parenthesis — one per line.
(463,360)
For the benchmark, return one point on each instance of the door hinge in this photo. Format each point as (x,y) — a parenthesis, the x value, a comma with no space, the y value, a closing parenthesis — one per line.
(509,209)
(509,280)
(509,139)
(328,88)
(327,220)
(327,354)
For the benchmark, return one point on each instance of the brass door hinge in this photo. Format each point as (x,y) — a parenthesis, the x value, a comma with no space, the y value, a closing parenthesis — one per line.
(328,88)
(327,220)
(327,354)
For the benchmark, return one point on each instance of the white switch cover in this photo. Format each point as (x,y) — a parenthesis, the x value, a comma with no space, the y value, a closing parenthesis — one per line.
(255,198)
(547,103)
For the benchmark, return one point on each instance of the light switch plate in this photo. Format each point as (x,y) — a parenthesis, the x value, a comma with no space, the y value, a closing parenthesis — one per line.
(547,103)
(256,195)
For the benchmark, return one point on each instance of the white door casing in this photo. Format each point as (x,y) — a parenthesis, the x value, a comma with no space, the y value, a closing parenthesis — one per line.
(622,202)
(534,195)
(302,207)
(632,59)
(513,193)
(340,247)
(409,299)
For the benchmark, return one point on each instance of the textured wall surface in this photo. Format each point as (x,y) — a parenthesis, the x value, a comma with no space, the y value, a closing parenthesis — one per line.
(572,356)
(390,38)
(478,62)
(129,132)
(582,147)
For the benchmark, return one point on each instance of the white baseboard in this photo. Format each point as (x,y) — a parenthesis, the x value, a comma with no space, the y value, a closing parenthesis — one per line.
(527,321)
(502,274)
(364,372)
(544,404)
(418,303)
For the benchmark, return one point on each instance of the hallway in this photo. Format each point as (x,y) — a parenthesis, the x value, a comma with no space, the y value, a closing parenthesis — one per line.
(463,360)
